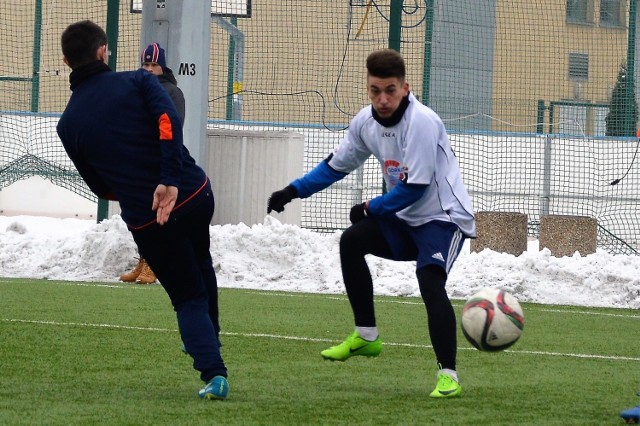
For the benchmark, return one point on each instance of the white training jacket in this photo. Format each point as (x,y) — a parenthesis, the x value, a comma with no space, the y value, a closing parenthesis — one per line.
(417,151)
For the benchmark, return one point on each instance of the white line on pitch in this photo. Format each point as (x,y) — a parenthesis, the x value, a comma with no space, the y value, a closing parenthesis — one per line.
(560,311)
(119,285)
(84,324)
(310,339)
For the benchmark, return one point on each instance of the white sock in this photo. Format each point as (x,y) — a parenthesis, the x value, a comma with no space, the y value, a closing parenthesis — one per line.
(368,333)
(451,373)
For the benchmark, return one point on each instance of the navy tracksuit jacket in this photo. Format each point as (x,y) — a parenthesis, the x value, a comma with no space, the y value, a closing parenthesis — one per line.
(124,136)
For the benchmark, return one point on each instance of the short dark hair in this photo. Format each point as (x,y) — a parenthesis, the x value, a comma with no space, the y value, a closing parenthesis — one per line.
(386,63)
(80,42)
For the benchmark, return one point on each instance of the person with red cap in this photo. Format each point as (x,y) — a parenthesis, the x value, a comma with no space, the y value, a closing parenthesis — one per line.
(153,59)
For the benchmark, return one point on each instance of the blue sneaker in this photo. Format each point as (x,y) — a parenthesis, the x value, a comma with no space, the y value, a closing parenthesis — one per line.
(631,416)
(216,388)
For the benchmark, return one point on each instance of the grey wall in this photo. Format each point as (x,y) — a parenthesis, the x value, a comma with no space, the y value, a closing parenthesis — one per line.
(462,62)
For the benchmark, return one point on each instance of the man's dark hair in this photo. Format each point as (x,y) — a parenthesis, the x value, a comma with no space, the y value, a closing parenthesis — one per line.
(80,42)
(386,63)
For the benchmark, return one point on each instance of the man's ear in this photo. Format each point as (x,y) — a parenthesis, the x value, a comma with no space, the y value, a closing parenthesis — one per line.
(66,61)
(103,54)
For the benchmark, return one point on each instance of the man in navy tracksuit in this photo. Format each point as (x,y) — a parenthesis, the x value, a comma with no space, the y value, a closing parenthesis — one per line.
(124,135)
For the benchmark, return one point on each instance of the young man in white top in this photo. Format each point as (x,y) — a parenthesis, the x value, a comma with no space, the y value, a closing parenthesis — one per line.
(425,215)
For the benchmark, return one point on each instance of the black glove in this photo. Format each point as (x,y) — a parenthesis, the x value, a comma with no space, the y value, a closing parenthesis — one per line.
(279,199)
(358,212)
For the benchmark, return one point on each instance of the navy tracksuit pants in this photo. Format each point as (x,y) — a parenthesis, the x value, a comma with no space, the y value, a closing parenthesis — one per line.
(178,253)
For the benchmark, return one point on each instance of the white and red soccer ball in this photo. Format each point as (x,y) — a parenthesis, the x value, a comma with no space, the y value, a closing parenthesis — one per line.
(492,320)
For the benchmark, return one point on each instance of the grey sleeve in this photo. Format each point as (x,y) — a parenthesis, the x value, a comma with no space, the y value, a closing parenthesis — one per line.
(178,99)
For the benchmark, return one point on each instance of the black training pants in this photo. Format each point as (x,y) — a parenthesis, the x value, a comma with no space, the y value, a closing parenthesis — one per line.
(365,237)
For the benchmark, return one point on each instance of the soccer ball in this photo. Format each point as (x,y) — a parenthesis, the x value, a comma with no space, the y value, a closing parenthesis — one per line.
(492,320)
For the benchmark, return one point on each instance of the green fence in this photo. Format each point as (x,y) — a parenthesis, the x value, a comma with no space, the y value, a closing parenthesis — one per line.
(510,80)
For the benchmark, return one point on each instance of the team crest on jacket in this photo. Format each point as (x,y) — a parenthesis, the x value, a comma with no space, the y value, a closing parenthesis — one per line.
(396,172)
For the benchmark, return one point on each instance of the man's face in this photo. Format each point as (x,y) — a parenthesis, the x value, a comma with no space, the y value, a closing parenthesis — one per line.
(386,94)
(153,67)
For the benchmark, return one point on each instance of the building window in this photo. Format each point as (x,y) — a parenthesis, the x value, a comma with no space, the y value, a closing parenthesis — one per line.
(578,66)
(578,12)
(610,13)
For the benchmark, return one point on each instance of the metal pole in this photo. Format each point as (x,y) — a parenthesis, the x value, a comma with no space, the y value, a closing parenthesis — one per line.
(113,18)
(395,24)
(185,29)
(540,126)
(629,125)
(113,9)
(231,59)
(428,46)
(35,79)
(238,75)
(546,177)
(235,68)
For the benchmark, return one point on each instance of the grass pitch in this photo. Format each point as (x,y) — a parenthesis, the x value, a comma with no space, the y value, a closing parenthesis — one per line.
(91,353)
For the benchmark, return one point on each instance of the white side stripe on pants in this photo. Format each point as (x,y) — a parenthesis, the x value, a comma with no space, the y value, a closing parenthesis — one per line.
(453,249)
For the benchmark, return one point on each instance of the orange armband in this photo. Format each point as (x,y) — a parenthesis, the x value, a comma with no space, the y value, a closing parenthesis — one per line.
(164,125)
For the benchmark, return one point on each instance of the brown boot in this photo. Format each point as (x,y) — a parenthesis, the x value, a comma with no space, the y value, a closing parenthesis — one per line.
(130,277)
(146,275)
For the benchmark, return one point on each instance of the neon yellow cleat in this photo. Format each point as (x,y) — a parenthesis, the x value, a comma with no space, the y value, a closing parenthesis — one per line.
(352,346)
(447,387)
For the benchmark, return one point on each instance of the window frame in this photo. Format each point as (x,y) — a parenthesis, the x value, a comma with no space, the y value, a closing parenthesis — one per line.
(618,15)
(579,12)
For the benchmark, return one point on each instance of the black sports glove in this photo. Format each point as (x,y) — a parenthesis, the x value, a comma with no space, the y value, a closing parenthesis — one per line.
(358,212)
(279,199)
